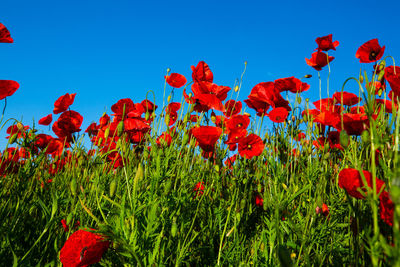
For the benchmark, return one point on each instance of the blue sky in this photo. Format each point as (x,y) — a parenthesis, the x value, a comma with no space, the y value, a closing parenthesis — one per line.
(108,50)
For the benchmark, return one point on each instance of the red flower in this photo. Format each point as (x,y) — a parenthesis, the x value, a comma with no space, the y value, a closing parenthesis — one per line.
(319,60)
(63,103)
(259,200)
(387,208)
(349,99)
(237,122)
(278,115)
(291,84)
(82,249)
(232,108)
(176,80)
(325,43)
(202,73)
(46,120)
(5,36)
(370,51)
(351,180)
(7,88)
(392,75)
(250,146)
(206,136)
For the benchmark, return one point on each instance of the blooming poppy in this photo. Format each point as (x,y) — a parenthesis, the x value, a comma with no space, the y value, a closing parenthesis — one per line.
(237,122)
(232,108)
(300,136)
(370,51)
(259,200)
(46,120)
(325,43)
(202,72)
(278,115)
(349,99)
(82,249)
(291,84)
(250,146)
(175,80)
(63,103)
(319,60)
(206,136)
(392,75)
(351,181)
(7,88)
(198,189)
(5,36)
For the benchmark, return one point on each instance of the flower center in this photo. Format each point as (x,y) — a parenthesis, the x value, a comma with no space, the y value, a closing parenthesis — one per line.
(249,146)
(372,55)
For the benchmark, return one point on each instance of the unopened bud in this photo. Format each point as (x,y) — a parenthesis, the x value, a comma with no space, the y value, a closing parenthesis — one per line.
(120,128)
(361,78)
(20,126)
(106,133)
(247,114)
(307,76)
(147,116)
(236,88)
(168,70)
(113,187)
(167,119)
(169,98)
(344,139)
(73,185)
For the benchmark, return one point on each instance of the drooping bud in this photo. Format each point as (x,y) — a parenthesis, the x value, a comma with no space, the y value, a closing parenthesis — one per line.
(236,88)
(307,76)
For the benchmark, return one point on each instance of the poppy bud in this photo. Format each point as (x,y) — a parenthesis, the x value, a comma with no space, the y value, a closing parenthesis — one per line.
(259,188)
(168,70)
(298,99)
(307,76)
(344,139)
(284,186)
(293,256)
(380,75)
(191,108)
(73,185)
(380,91)
(382,65)
(120,128)
(147,116)
(174,227)
(236,88)
(216,167)
(247,114)
(139,174)
(361,78)
(167,187)
(113,187)
(169,98)
(213,117)
(167,119)
(185,139)
(20,126)
(365,136)
(106,133)
(12,138)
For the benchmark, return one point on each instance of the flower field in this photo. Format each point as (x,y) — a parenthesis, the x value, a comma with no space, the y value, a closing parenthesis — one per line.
(204,181)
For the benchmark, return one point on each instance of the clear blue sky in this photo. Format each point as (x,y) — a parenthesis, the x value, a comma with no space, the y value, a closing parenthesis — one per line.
(108,50)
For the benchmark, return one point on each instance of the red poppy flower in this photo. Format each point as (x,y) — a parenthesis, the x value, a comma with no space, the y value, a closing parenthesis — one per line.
(291,84)
(370,51)
(82,249)
(386,208)
(7,88)
(148,106)
(46,120)
(235,136)
(5,36)
(350,180)
(63,103)
(349,99)
(206,136)
(237,122)
(176,80)
(250,146)
(198,189)
(230,161)
(202,72)
(232,108)
(325,43)
(319,60)
(299,136)
(259,200)
(392,75)
(164,139)
(125,104)
(278,115)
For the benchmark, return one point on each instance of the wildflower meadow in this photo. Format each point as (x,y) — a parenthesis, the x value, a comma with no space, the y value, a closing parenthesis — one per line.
(203,181)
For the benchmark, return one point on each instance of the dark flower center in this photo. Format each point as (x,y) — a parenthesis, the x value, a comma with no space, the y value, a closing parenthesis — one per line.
(372,55)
